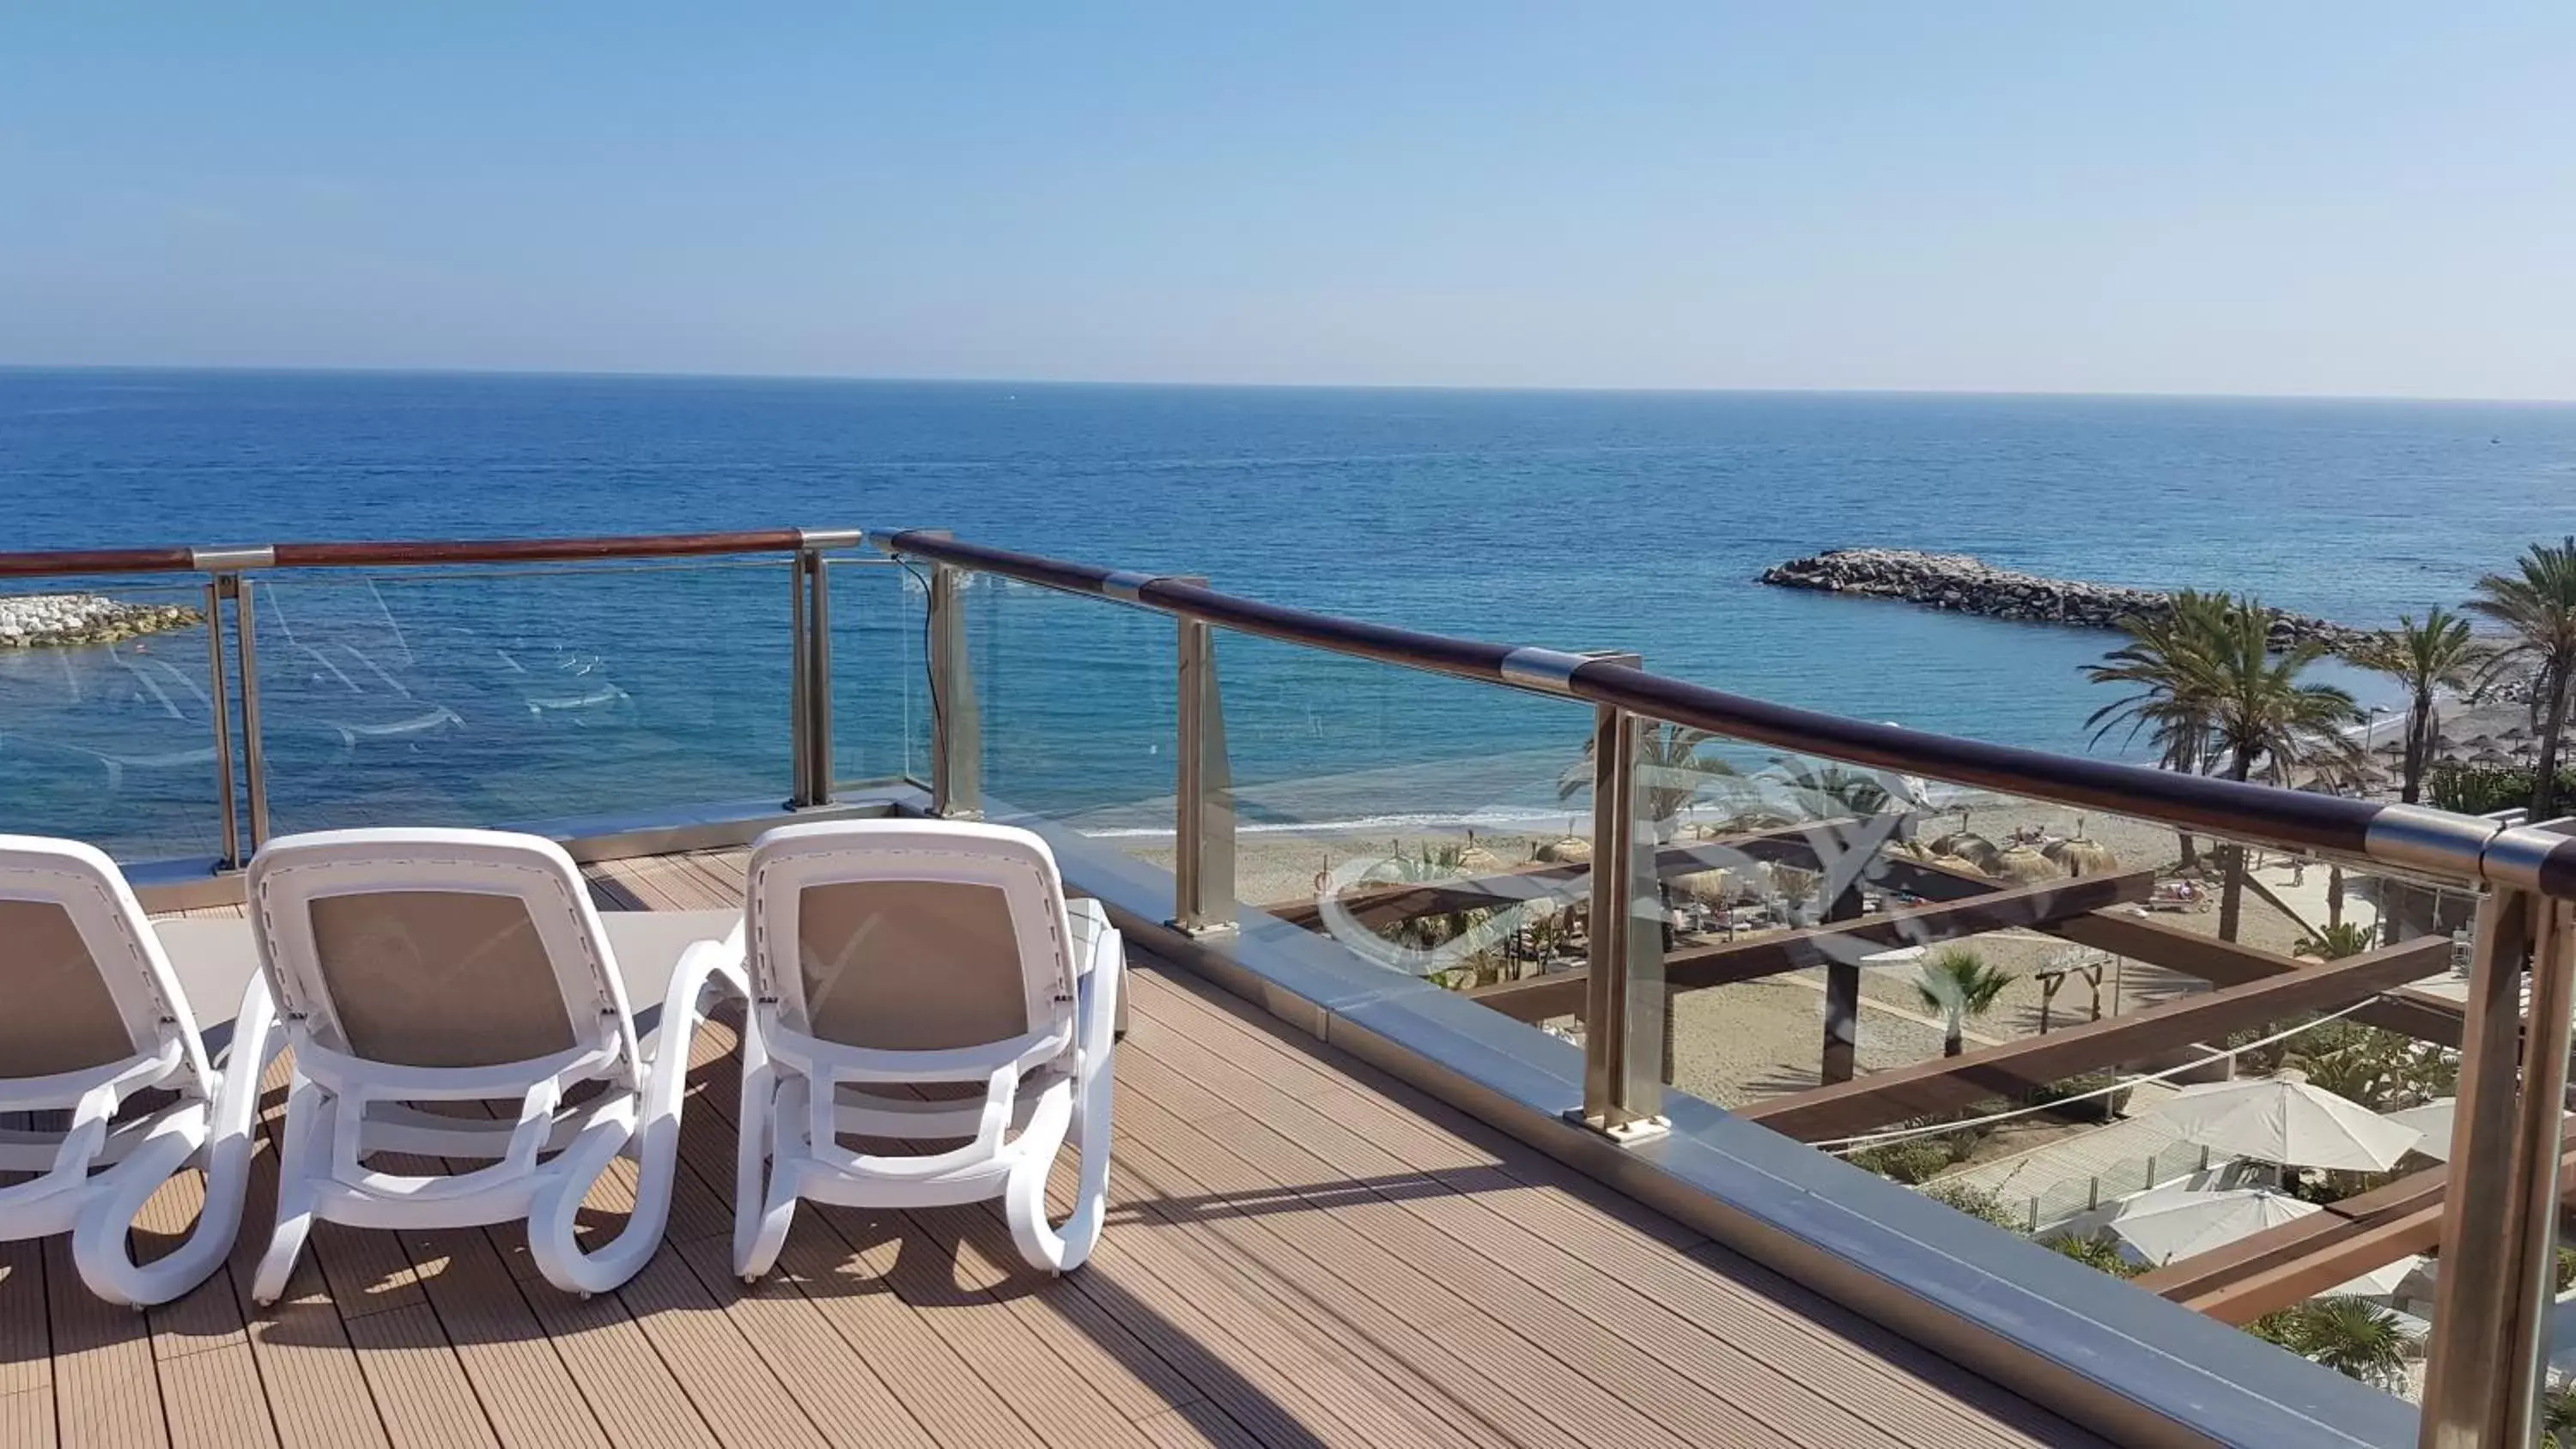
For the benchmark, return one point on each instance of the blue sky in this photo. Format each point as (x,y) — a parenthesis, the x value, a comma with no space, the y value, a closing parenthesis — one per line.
(2269,198)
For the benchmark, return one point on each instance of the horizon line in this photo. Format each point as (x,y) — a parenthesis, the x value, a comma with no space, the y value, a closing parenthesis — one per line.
(1673,390)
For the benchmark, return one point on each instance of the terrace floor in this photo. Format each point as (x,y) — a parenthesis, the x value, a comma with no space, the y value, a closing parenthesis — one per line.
(1302,1251)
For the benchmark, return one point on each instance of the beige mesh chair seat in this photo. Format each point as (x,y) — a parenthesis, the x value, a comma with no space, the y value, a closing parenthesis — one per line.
(433,966)
(888,955)
(95,1015)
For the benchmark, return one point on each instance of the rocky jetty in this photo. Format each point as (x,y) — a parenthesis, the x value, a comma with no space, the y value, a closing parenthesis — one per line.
(1968,585)
(38,621)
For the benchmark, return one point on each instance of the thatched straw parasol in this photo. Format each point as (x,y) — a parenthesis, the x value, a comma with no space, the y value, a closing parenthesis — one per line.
(2394,749)
(1966,846)
(2481,742)
(1572,850)
(1708,887)
(2491,759)
(1957,863)
(1477,857)
(2515,732)
(2079,856)
(2023,864)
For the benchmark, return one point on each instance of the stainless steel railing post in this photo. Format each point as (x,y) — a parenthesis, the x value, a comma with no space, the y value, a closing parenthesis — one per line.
(254,756)
(219,691)
(1203,862)
(2483,1376)
(818,687)
(957,751)
(1624,1000)
(2539,1145)
(800,673)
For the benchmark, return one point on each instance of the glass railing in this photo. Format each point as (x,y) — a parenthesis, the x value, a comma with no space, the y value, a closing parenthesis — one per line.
(476,695)
(2011,981)
(113,742)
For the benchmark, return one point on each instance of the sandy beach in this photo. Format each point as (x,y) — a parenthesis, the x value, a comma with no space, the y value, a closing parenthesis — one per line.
(1737,1044)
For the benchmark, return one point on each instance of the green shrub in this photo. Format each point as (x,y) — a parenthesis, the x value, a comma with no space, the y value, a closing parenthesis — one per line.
(2483,790)
(2099,1252)
(2055,1095)
(1912,1161)
(1976,1202)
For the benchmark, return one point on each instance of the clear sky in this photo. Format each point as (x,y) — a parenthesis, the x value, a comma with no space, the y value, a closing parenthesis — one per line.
(2051,196)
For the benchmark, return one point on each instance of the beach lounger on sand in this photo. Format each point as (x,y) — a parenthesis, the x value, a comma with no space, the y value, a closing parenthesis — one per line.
(466,966)
(887,955)
(96,1013)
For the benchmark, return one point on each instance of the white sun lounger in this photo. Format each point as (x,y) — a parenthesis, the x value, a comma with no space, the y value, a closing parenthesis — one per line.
(95,1013)
(436,966)
(887,954)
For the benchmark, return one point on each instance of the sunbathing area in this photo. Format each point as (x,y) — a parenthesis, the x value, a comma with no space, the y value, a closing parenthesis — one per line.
(1297,1250)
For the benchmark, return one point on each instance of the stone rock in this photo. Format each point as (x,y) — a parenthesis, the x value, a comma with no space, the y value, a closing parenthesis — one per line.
(43,621)
(1969,585)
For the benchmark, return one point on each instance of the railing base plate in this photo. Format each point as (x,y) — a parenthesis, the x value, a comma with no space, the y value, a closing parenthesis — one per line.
(1626,1134)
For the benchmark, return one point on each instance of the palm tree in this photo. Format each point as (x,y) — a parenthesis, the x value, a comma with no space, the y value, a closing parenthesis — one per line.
(2427,658)
(2336,942)
(1672,773)
(2353,1336)
(2538,604)
(2164,662)
(2260,712)
(1960,985)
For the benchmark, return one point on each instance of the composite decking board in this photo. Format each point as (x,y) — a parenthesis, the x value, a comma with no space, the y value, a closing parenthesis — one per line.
(515,1368)
(1109,1365)
(26,1341)
(318,1396)
(1188,1426)
(1059,1407)
(1664,1360)
(1742,1301)
(105,1390)
(732,1388)
(421,1390)
(213,1400)
(27,1419)
(1371,1304)
(1390,1211)
(840,1393)
(1301,1251)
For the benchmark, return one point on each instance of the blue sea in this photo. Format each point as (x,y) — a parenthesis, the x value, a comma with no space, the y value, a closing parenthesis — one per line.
(1578,520)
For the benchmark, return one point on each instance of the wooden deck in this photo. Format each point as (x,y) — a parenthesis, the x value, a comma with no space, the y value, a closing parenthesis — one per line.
(1301,1252)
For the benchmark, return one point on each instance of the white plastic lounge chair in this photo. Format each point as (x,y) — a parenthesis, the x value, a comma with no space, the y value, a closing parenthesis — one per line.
(96,1013)
(425,966)
(893,953)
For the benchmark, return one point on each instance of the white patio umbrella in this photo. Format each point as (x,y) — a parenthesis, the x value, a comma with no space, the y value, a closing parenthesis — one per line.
(2178,1225)
(2433,1120)
(2379,1282)
(1893,956)
(2285,1120)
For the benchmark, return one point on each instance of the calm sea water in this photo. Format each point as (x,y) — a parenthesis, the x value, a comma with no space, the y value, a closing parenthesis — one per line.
(1580,520)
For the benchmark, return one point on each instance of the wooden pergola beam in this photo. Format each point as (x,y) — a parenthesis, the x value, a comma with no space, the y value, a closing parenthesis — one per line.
(1388,904)
(2015,1068)
(1692,968)
(2295,1261)
(2417,1014)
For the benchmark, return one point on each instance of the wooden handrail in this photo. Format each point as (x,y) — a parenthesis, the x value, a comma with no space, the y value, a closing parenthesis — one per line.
(39,564)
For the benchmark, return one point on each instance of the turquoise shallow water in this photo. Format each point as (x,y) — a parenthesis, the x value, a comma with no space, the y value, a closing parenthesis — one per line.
(1582,520)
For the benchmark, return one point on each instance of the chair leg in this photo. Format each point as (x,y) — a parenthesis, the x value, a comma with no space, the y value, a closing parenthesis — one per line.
(554,1212)
(773,1126)
(101,1247)
(309,1113)
(1061,1250)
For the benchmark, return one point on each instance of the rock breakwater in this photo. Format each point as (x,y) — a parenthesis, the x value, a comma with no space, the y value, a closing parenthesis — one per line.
(39,621)
(1964,584)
